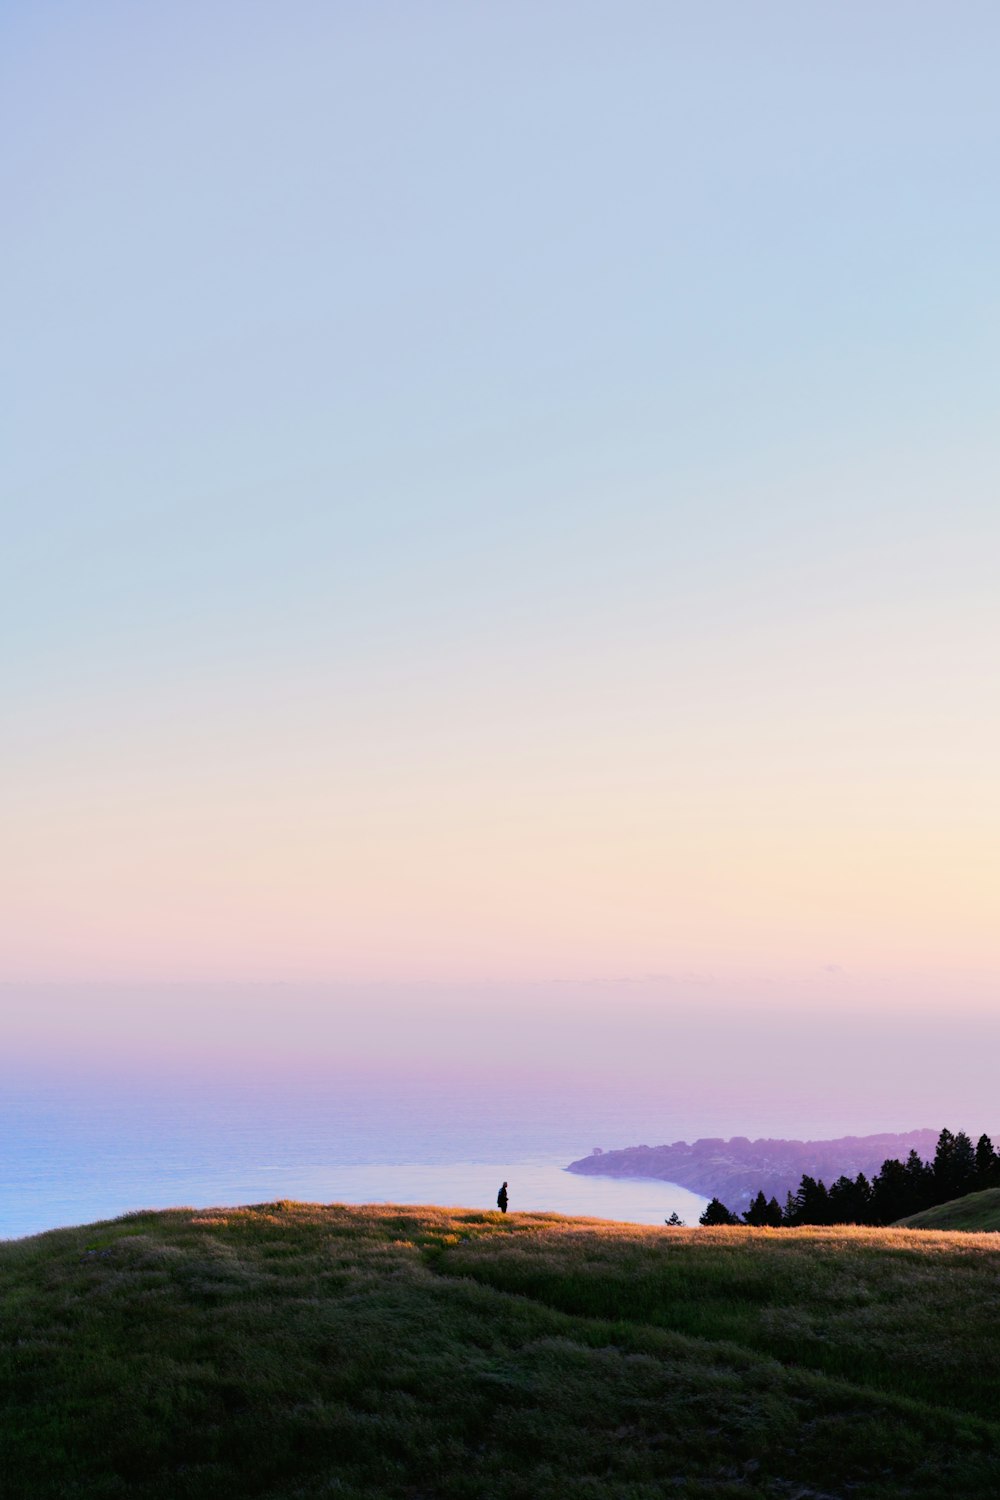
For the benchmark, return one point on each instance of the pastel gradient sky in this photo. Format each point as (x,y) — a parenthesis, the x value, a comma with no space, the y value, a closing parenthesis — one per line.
(501,493)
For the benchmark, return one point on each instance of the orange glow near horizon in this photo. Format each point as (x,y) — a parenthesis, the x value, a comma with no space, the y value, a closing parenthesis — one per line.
(492,876)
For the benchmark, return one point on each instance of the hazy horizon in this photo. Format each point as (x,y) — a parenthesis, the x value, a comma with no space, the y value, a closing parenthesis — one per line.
(690,1059)
(113,1100)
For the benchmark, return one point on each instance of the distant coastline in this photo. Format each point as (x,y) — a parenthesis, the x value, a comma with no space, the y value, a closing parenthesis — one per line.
(735,1169)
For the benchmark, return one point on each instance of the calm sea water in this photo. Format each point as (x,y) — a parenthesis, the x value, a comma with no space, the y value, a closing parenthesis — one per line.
(77,1149)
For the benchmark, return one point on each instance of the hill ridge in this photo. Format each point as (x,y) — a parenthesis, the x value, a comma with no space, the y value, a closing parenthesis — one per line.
(973,1213)
(380,1353)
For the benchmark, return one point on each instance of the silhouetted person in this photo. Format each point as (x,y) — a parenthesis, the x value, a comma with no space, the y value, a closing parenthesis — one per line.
(502,1199)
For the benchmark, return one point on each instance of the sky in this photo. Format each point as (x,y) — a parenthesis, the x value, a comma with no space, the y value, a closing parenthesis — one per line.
(501,496)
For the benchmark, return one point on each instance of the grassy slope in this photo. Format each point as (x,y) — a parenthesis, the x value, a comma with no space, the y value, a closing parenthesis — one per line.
(296,1351)
(976,1211)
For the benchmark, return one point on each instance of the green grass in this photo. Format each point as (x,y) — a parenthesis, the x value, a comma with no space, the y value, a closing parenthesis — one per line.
(976,1211)
(294,1351)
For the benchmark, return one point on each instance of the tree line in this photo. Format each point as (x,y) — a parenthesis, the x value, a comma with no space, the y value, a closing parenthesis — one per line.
(898,1189)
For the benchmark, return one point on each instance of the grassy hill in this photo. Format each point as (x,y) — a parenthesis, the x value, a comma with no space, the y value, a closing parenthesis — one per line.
(977,1211)
(294,1351)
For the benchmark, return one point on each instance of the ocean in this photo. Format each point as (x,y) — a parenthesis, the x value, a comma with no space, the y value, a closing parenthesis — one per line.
(80,1147)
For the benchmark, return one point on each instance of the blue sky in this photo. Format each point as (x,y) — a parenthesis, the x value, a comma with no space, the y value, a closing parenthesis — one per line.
(522,478)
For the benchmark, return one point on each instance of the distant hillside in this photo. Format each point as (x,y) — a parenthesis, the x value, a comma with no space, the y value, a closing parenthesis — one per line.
(976,1211)
(736,1169)
(291,1350)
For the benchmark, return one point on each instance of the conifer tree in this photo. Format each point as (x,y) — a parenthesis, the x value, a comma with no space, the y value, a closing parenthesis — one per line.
(944,1167)
(963,1165)
(756,1214)
(717,1213)
(987,1164)
(890,1195)
(919,1184)
(842,1207)
(812,1203)
(850,1200)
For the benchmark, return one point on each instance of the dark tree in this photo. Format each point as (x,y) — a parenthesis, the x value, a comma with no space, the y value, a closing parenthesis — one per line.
(811,1204)
(964,1165)
(842,1208)
(919,1184)
(756,1214)
(987,1164)
(675,1221)
(850,1200)
(765,1213)
(717,1213)
(863,1197)
(891,1198)
(944,1167)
